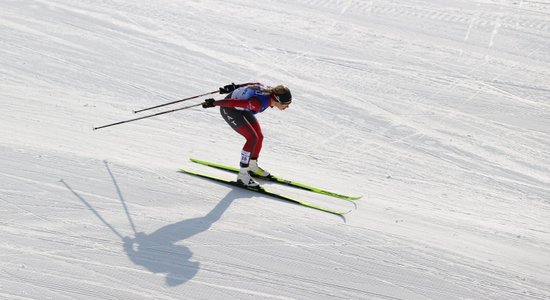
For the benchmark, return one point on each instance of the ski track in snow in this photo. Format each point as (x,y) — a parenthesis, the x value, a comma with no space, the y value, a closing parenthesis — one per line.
(437,112)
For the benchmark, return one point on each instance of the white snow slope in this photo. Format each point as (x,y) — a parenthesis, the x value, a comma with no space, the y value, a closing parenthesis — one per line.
(437,112)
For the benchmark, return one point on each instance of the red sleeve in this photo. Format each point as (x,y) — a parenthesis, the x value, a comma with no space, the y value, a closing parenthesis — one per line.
(251,104)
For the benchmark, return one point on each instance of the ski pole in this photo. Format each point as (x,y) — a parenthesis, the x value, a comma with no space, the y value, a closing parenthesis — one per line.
(148,116)
(177,101)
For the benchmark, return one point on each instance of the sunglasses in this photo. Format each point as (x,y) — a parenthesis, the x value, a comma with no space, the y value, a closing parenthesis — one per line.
(283,102)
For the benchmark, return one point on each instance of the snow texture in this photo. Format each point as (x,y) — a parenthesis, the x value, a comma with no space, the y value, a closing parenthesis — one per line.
(437,112)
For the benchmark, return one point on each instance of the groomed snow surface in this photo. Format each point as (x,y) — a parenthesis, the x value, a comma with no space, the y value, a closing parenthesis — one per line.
(437,112)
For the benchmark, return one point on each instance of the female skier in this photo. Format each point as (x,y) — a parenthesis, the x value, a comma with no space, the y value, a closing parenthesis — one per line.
(238,110)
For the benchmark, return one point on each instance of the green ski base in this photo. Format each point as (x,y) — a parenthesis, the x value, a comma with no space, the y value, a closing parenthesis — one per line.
(262,190)
(279,180)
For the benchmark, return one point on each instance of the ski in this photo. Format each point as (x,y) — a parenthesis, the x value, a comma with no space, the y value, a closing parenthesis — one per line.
(262,190)
(278,179)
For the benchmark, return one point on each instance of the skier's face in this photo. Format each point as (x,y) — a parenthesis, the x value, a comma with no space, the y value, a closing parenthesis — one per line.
(280,106)
(277,104)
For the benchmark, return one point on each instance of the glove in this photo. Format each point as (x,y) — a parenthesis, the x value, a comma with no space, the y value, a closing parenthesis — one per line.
(208,103)
(228,88)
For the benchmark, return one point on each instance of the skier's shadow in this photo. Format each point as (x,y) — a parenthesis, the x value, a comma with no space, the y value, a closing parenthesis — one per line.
(158,251)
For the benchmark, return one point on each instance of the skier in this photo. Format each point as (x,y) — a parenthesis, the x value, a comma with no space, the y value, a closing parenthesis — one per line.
(238,110)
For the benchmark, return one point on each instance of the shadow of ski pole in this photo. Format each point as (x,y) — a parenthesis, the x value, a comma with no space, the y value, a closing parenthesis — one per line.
(91,208)
(121,197)
(161,251)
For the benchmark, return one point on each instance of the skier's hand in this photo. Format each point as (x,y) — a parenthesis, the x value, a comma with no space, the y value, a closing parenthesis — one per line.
(208,103)
(228,88)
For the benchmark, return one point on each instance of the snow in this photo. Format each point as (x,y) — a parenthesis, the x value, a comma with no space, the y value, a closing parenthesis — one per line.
(437,112)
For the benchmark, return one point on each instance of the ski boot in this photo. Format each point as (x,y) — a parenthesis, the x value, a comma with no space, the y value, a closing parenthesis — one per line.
(244,178)
(255,170)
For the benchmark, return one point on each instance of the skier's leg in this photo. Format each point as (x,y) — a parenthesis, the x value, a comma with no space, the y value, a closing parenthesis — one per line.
(253,164)
(237,120)
(258,134)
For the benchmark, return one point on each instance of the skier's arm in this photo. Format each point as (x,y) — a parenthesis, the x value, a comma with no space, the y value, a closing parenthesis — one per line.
(226,89)
(251,104)
(248,83)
